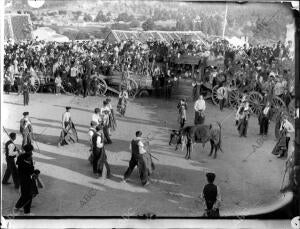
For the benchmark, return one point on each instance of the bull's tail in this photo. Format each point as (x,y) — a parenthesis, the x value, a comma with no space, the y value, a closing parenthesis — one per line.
(220,138)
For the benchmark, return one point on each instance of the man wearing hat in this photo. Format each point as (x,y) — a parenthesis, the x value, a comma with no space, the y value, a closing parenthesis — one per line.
(26,172)
(11,152)
(68,133)
(211,196)
(137,149)
(96,116)
(105,113)
(66,118)
(99,155)
(25,89)
(91,132)
(26,129)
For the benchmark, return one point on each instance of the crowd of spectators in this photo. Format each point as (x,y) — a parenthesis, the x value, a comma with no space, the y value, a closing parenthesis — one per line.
(248,67)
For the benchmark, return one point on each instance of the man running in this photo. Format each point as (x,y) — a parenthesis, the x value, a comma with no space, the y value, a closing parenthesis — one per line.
(137,151)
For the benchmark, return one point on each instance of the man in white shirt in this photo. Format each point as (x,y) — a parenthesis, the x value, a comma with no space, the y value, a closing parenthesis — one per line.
(137,149)
(66,118)
(96,117)
(58,84)
(222,96)
(199,108)
(68,134)
(11,152)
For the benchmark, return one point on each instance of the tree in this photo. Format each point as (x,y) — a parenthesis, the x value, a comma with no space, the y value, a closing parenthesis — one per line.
(87,17)
(62,12)
(101,17)
(148,24)
(135,23)
(124,17)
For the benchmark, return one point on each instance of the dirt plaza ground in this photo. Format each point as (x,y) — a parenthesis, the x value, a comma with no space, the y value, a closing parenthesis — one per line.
(247,178)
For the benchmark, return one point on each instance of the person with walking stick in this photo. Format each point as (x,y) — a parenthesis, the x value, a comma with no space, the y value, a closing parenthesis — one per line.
(27,174)
(11,152)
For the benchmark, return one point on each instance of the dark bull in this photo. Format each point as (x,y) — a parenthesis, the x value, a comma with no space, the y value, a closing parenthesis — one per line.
(190,135)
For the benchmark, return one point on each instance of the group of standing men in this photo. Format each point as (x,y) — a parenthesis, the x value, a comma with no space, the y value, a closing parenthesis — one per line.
(21,166)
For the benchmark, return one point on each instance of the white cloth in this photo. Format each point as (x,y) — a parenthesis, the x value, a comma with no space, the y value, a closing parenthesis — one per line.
(266,110)
(58,81)
(123,94)
(91,133)
(103,109)
(74,71)
(288,127)
(222,93)
(96,118)
(11,151)
(200,105)
(140,144)
(98,142)
(66,117)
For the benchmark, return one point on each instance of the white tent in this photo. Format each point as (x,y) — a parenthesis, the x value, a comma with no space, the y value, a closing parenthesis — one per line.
(236,41)
(48,34)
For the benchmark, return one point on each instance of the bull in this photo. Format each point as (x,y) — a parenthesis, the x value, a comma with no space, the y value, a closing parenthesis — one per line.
(190,135)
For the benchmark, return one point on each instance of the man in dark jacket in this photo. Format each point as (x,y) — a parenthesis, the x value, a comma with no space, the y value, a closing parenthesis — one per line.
(26,173)
(11,152)
(137,150)
(99,155)
(264,119)
(211,196)
(87,75)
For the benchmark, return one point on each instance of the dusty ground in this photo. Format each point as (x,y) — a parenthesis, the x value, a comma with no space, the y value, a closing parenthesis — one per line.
(176,182)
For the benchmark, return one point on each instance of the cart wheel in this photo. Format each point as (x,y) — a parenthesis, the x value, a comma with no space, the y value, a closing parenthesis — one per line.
(214,95)
(144,93)
(278,105)
(68,86)
(291,109)
(235,98)
(98,86)
(34,86)
(131,86)
(255,102)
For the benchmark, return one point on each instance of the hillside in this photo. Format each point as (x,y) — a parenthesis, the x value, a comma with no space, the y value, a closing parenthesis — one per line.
(256,20)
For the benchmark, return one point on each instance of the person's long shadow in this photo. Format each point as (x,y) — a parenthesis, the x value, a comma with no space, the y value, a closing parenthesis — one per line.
(18,104)
(48,139)
(76,108)
(79,165)
(127,119)
(118,145)
(57,121)
(55,127)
